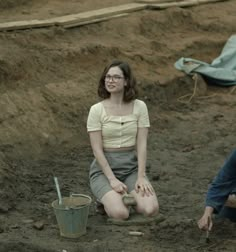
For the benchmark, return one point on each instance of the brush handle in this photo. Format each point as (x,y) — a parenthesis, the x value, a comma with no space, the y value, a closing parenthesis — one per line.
(58,191)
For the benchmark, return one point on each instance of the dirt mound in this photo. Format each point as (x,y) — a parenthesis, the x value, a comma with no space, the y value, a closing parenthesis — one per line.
(6,4)
(8,191)
(48,81)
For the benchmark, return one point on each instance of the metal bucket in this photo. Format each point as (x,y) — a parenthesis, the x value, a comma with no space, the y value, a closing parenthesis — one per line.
(72,215)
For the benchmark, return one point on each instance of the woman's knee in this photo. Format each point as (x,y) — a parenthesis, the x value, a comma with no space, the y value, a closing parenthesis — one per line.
(118,213)
(114,206)
(149,209)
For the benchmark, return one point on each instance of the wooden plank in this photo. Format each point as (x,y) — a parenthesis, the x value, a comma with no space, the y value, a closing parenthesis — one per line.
(210,1)
(176,1)
(156,1)
(25,24)
(186,3)
(161,6)
(100,13)
(75,19)
(97,20)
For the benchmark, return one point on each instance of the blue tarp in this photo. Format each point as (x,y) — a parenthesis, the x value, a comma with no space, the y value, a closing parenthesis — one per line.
(222,70)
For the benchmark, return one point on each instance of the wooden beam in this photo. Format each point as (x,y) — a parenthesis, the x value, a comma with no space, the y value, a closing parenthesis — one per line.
(73,19)
(186,3)
(100,14)
(176,1)
(96,20)
(17,25)
(156,1)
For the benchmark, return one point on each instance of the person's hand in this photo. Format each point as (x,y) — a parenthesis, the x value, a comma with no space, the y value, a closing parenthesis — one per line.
(205,223)
(118,186)
(143,185)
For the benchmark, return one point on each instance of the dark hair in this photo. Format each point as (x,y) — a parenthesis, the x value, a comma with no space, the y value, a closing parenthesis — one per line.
(130,92)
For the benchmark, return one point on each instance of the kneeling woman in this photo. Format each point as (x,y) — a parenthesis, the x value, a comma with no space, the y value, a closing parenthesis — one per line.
(118,130)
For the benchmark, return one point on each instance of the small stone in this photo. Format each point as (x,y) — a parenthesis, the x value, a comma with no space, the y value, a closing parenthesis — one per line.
(39,225)
(14,226)
(27,221)
(25,12)
(3,209)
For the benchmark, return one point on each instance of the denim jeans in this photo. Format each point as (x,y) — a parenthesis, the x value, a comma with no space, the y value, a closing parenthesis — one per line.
(221,187)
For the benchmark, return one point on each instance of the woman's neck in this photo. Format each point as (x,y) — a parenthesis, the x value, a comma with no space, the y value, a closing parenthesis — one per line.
(117,100)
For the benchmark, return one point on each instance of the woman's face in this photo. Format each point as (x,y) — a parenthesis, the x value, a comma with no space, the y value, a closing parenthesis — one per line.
(115,80)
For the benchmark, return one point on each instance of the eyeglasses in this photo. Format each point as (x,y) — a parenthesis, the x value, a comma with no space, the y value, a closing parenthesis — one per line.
(114,78)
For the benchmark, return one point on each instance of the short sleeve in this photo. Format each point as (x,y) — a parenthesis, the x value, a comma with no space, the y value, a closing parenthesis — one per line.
(143,119)
(94,119)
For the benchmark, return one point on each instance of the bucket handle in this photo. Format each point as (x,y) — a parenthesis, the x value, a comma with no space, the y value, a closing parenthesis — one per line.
(79,194)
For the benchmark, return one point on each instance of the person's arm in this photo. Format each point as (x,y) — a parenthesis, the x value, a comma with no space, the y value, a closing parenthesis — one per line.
(218,192)
(142,151)
(97,147)
(223,184)
(142,184)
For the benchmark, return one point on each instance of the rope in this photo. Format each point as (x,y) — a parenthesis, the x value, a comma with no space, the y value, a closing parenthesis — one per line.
(232,90)
(195,77)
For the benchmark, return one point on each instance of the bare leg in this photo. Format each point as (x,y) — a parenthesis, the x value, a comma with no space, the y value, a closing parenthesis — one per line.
(147,205)
(114,206)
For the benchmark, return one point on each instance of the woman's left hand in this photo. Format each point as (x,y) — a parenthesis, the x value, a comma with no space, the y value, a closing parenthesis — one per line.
(143,185)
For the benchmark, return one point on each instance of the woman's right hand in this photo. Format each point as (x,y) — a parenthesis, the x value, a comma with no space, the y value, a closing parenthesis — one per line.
(118,186)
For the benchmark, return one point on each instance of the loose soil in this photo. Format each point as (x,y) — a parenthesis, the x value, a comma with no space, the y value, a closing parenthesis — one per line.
(48,81)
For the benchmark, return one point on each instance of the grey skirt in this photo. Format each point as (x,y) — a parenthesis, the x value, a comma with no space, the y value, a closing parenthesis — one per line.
(124,165)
